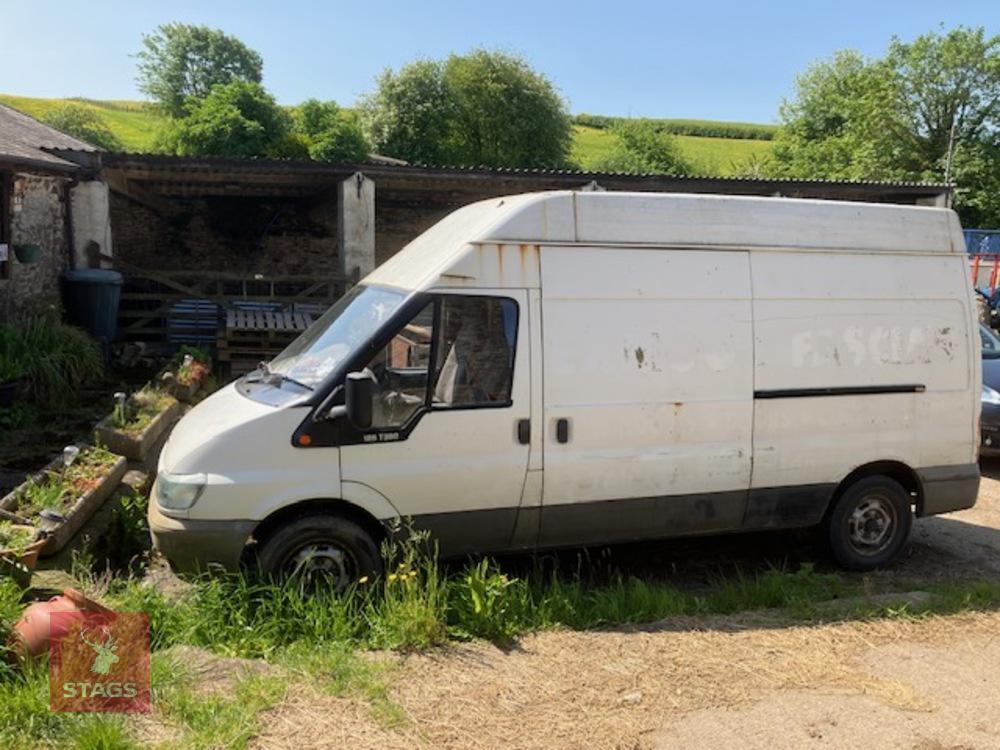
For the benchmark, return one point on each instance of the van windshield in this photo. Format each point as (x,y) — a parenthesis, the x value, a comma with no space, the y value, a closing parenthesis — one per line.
(338,332)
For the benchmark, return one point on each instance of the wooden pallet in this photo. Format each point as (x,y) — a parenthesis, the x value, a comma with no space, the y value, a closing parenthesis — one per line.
(250,336)
(258,321)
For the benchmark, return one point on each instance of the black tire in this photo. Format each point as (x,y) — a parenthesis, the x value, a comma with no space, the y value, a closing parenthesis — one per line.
(321,547)
(870,523)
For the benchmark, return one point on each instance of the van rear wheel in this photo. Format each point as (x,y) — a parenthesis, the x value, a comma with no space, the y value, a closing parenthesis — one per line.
(320,550)
(870,523)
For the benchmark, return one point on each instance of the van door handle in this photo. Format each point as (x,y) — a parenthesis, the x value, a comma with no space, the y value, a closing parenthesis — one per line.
(562,430)
(524,431)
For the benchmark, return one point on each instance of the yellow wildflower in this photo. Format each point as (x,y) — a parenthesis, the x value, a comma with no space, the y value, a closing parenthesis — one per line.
(363,579)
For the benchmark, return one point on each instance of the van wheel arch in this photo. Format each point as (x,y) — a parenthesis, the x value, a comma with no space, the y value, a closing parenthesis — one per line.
(895,470)
(320,506)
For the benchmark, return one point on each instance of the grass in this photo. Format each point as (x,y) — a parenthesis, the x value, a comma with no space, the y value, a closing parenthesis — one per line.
(15,538)
(708,156)
(136,413)
(135,123)
(226,719)
(53,358)
(313,639)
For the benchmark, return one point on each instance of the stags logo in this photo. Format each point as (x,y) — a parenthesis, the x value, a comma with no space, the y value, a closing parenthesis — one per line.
(99,661)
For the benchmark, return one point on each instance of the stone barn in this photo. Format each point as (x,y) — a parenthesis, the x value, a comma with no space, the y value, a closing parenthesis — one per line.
(51,211)
(241,254)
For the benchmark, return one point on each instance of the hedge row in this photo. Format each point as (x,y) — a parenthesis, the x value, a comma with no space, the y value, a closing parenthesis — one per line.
(705,128)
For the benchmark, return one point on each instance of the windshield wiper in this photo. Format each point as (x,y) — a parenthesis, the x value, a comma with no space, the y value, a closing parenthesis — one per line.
(269,376)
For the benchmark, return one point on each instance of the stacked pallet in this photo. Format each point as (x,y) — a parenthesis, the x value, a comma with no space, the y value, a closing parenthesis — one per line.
(250,336)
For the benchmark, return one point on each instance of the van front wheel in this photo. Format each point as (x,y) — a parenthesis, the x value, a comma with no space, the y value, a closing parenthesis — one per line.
(322,550)
(870,523)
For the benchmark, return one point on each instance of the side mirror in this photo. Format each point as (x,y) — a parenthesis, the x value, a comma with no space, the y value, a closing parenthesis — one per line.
(359,392)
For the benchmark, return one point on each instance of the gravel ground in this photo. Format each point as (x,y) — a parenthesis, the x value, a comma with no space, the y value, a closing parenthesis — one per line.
(750,681)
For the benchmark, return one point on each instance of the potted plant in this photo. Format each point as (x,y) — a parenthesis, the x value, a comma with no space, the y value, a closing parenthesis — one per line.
(186,373)
(137,422)
(27,252)
(66,493)
(20,543)
(11,373)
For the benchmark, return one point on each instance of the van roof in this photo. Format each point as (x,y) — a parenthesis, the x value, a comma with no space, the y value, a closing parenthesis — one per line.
(671,220)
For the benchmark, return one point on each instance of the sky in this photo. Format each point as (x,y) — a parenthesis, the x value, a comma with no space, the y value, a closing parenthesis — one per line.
(709,59)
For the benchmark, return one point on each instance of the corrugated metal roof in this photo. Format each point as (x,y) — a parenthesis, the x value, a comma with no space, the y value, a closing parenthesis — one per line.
(24,140)
(288,166)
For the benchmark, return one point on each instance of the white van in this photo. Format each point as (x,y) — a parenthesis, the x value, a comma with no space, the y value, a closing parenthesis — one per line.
(577,368)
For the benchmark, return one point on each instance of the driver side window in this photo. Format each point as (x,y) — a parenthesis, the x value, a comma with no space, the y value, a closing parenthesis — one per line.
(471,340)
(400,369)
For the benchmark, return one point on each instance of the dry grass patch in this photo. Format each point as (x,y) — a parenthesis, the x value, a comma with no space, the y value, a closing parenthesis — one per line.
(610,689)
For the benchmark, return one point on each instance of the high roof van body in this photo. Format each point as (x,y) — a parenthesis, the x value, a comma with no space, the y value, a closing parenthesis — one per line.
(578,368)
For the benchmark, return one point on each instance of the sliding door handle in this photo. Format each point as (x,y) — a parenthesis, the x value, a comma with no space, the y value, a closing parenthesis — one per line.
(524,431)
(562,430)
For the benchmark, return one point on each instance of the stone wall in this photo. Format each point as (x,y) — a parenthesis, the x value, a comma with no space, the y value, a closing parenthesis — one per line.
(271,236)
(38,215)
(395,226)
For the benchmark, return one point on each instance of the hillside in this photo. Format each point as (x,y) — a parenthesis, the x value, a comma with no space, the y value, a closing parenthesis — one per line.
(136,123)
(708,156)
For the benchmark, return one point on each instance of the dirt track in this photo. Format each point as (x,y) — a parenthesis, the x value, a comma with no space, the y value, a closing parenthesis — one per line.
(749,681)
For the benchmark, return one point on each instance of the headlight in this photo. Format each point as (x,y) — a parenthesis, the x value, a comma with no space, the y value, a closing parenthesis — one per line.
(179,491)
(990,396)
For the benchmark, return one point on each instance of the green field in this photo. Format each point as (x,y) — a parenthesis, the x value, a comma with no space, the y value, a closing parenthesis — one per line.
(136,123)
(708,156)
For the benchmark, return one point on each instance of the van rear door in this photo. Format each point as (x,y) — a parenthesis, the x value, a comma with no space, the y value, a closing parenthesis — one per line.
(648,392)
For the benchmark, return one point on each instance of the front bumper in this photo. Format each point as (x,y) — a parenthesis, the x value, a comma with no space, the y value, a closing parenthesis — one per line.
(193,546)
(948,488)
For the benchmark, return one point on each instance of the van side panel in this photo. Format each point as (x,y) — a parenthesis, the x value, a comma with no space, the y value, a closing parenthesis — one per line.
(647,356)
(860,358)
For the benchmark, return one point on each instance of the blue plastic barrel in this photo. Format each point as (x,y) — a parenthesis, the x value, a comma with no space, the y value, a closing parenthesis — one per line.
(90,298)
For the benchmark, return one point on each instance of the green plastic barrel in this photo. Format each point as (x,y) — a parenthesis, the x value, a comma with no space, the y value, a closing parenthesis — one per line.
(90,298)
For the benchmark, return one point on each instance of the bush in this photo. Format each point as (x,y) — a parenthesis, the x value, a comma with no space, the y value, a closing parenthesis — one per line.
(485,603)
(641,148)
(330,134)
(84,123)
(54,358)
(235,119)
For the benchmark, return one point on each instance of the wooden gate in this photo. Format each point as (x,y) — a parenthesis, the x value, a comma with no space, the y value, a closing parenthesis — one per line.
(244,317)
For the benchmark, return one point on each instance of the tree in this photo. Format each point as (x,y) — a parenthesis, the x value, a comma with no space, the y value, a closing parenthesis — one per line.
(947,82)
(895,117)
(484,108)
(505,114)
(643,147)
(83,123)
(842,122)
(235,119)
(330,133)
(179,61)
(410,113)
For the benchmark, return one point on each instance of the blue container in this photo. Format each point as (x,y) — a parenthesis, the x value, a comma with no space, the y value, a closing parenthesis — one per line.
(982,241)
(90,298)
